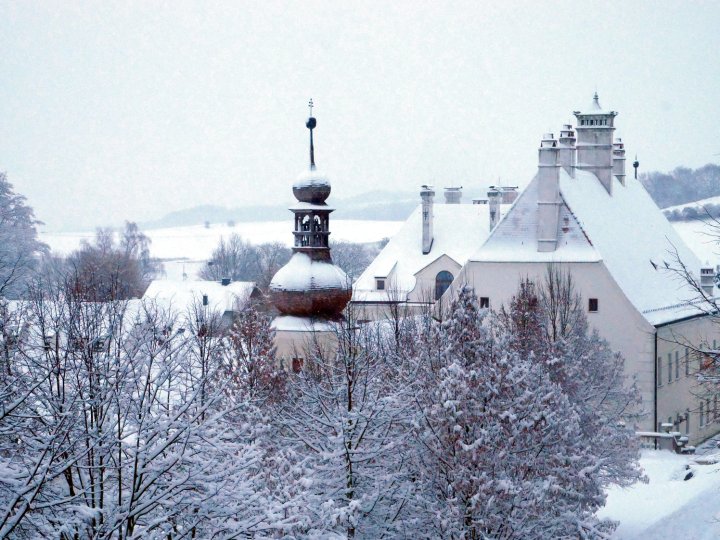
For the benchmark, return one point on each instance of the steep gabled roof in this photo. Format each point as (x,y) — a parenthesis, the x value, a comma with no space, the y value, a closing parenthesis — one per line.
(458,231)
(636,242)
(625,230)
(515,238)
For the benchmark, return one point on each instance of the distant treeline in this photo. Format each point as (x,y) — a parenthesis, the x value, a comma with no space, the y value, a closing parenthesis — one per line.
(684,185)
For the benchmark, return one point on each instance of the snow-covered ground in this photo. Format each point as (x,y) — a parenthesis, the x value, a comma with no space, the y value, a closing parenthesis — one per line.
(702,238)
(695,204)
(185,249)
(669,506)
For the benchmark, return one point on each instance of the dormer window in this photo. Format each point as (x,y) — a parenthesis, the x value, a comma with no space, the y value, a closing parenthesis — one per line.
(380,284)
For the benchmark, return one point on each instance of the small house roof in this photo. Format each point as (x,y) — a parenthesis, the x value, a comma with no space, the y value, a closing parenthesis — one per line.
(458,231)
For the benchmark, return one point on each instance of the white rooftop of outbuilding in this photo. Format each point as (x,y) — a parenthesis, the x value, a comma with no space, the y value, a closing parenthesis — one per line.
(181,295)
(458,231)
(625,230)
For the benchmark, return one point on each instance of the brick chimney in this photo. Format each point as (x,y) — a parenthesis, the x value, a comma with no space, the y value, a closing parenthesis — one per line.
(548,194)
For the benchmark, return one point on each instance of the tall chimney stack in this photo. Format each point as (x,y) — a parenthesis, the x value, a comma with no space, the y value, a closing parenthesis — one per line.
(494,197)
(548,194)
(595,142)
(453,195)
(567,151)
(619,160)
(427,194)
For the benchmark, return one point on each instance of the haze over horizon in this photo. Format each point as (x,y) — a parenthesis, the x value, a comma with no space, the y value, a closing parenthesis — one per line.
(114,111)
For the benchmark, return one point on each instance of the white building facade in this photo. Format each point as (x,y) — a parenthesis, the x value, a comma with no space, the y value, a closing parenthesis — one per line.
(581,212)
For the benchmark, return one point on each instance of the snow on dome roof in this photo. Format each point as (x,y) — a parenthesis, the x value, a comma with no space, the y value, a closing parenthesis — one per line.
(307,287)
(311,187)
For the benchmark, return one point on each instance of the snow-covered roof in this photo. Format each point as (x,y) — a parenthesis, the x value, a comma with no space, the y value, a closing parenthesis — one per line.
(311,178)
(626,230)
(458,231)
(181,295)
(515,239)
(631,233)
(302,274)
(291,323)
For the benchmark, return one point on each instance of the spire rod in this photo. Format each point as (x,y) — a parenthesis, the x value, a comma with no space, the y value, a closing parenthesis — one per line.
(310,124)
(636,164)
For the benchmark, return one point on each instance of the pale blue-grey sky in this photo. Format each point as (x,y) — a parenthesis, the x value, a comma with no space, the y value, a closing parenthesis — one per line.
(129,110)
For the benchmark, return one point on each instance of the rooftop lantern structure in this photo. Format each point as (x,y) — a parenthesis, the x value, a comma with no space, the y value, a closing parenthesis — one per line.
(310,285)
(595,127)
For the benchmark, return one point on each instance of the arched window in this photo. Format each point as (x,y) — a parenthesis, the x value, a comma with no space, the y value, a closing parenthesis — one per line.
(442,282)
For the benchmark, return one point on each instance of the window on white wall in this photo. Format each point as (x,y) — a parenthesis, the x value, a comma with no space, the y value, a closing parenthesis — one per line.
(687,421)
(702,416)
(442,282)
(669,367)
(593,305)
(677,365)
(708,418)
(687,362)
(659,371)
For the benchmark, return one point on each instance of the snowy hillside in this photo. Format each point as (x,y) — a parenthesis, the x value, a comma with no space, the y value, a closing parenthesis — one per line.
(669,506)
(701,237)
(191,246)
(694,204)
(185,249)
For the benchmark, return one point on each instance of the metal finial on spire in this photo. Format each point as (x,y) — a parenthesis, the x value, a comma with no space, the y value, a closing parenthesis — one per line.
(636,164)
(310,124)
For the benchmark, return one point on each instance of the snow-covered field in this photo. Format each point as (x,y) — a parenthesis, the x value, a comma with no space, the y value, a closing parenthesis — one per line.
(668,506)
(185,249)
(702,238)
(190,247)
(695,204)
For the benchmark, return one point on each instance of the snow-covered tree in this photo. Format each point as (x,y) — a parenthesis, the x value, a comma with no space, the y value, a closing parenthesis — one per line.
(106,270)
(345,417)
(550,326)
(501,453)
(119,428)
(20,249)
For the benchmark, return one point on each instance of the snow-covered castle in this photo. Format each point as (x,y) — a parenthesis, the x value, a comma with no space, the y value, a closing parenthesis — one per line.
(582,212)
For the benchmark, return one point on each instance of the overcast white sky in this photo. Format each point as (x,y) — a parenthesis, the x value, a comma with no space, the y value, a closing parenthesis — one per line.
(113,111)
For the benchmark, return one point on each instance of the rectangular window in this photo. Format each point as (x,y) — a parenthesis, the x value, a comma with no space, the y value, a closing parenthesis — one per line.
(677,365)
(380,284)
(593,305)
(708,418)
(702,416)
(687,362)
(484,302)
(687,422)
(715,417)
(659,371)
(669,367)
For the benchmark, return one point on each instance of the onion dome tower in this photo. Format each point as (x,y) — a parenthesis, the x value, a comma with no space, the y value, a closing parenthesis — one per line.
(310,285)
